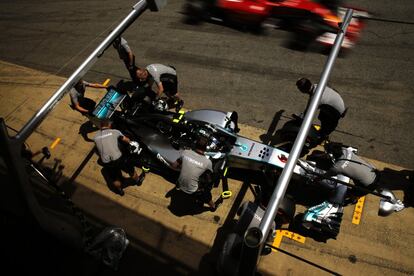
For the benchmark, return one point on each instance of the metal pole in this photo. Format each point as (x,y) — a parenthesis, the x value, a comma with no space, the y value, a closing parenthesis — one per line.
(35,121)
(255,237)
(21,200)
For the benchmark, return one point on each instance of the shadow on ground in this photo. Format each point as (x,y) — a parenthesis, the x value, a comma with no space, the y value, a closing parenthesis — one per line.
(30,249)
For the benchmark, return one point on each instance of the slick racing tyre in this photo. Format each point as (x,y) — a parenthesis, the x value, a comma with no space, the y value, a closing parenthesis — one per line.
(195,11)
(305,34)
(229,256)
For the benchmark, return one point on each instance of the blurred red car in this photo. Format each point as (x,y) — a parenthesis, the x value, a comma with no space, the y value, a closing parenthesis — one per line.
(309,20)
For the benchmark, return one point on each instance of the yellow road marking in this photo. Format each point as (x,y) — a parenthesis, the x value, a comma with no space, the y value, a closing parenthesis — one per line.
(285,233)
(293,236)
(277,240)
(54,144)
(105,83)
(356,218)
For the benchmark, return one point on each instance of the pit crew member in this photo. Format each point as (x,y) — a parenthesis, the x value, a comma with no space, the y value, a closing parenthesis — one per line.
(113,160)
(194,164)
(165,78)
(331,106)
(77,96)
(126,55)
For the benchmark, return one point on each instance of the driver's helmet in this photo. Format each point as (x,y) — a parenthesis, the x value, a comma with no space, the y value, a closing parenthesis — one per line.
(160,105)
(213,144)
(203,132)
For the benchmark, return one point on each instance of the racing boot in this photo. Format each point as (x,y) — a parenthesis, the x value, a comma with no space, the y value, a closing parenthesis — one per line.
(324,218)
(141,177)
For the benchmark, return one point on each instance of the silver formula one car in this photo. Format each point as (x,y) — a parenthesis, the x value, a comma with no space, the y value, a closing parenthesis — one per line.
(164,134)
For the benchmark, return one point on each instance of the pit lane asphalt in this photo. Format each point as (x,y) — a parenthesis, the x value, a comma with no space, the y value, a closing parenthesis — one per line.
(228,69)
(168,241)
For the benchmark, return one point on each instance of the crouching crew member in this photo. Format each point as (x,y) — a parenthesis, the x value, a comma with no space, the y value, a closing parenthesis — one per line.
(77,96)
(107,143)
(196,173)
(165,78)
(344,162)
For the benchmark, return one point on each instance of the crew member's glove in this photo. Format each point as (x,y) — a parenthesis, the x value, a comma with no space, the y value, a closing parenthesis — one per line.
(134,147)
(179,105)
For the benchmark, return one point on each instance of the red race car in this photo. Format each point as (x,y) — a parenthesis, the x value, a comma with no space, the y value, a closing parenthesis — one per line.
(309,20)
